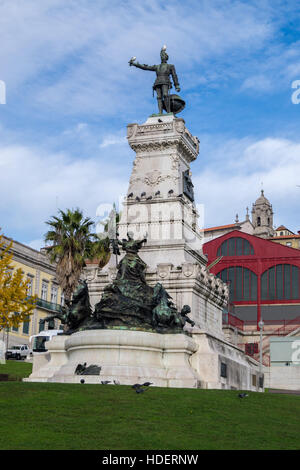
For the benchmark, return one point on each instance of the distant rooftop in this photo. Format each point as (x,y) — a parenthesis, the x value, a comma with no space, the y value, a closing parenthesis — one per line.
(220,227)
(282,227)
(284,236)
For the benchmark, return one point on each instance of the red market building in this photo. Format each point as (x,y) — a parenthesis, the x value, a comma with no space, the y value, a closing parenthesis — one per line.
(263,277)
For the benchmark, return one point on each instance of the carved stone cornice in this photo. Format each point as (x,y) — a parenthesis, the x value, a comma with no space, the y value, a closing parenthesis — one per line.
(158,137)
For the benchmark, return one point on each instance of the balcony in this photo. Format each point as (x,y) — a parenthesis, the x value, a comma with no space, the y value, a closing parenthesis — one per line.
(50,306)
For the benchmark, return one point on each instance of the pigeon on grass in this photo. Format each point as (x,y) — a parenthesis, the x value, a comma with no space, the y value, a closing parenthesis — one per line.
(140,390)
(135,386)
(243,395)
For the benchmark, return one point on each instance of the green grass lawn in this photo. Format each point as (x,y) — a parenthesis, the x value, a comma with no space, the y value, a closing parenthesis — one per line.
(64,416)
(16,369)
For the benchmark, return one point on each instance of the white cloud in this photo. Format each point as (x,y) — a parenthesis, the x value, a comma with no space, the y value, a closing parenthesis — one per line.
(73,56)
(36,244)
(259,83)
(112,139)
(235,179)
(34,184)
(275,69)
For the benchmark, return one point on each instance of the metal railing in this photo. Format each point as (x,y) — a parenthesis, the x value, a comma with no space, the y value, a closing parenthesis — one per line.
(48,305)
(229,319)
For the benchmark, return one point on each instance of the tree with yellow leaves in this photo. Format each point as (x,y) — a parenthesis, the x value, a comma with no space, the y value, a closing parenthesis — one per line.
(15,304)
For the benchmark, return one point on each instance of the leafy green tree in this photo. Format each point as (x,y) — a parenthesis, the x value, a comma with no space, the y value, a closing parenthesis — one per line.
(15,304)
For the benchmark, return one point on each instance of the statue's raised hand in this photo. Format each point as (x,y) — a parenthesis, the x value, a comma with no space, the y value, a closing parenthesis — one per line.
(131,61)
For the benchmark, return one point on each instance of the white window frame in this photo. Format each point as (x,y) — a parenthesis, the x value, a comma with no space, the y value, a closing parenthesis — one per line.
(44,291)
(54,294)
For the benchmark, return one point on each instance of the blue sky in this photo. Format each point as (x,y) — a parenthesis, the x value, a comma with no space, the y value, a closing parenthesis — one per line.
(71,93)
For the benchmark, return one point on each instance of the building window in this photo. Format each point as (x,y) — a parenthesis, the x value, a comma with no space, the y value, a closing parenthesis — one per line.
(44,290)
(235,246)
(280,282)
(288,243)
(15,328)
(54,294)
(223,370)
(62,299)
(258,222)
(261,381)
(251,349)
(30,285)
(41,326)
(242,283)
(26,327)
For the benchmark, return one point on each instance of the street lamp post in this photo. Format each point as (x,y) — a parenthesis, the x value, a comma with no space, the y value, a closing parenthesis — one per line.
(261,326)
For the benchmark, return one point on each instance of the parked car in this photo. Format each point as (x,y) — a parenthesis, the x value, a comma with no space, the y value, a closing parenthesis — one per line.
(17,352)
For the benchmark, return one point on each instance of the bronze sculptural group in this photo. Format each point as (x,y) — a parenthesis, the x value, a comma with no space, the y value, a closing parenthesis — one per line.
(74,312)
(128,302)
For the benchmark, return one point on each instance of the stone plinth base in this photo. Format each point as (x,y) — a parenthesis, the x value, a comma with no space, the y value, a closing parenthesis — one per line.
(125,356)
(222,365)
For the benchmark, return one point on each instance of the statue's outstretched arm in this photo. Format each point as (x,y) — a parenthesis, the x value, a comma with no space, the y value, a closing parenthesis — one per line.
(175,78)
(144,66)
(140,242)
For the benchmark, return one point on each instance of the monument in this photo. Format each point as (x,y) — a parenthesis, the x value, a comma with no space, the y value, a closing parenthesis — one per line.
(157,315)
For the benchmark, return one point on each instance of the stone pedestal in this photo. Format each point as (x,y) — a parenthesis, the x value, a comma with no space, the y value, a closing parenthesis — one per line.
(125,356)
(222,365)
(160,203)
(160,198)
(45,365)
(166,360)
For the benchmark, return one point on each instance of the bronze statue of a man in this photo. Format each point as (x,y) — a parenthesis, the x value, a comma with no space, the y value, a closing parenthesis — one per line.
(162,83)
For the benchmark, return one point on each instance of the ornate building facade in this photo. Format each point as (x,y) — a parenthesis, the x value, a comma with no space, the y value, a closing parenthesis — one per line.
(41,273)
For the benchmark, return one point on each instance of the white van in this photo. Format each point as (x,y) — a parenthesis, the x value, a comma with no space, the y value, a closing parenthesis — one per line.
(18,352)
(37,342)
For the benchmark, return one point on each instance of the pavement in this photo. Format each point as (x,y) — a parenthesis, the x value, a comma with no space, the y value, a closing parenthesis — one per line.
(288,392)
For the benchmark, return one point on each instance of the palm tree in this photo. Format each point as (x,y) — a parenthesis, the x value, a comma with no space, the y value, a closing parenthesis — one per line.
(98,251)
(71,237)
(98,248)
